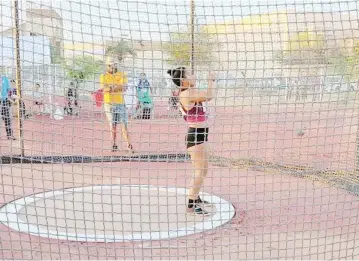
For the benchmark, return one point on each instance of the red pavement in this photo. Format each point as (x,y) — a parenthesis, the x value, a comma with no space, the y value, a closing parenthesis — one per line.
(267,133)
(278,216)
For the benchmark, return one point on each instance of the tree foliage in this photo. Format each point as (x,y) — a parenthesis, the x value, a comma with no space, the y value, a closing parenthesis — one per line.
(313,48)
(304,48)
(346,60)
(120,50)
(81,68)
(179,49)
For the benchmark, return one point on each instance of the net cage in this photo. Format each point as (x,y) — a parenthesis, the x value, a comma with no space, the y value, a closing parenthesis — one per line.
(250,152)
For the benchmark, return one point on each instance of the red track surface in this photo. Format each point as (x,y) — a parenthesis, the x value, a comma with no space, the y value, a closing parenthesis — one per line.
(278,216)
(267,133)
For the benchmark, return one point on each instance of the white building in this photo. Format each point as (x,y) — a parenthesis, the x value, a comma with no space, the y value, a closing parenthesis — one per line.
(34,51)
(45,23)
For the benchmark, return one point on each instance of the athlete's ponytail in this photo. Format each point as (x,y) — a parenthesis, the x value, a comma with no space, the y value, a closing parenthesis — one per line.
(177,75)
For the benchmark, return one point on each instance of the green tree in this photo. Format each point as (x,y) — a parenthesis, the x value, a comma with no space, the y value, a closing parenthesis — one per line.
(180,47)
(346,60)
(120,50)
(304,48)
(346,64)
(81,68)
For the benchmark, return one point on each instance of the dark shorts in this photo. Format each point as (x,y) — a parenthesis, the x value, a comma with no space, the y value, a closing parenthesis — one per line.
(119,114)
(196,136)
(173,101)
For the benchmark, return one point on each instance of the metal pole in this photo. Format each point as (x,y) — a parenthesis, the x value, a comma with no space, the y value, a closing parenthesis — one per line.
(18,75)
(192,36)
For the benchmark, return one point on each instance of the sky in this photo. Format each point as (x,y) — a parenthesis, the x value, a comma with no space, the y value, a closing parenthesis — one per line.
(95,21)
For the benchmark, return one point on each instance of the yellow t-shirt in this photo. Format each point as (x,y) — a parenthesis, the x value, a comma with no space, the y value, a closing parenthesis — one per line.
(113,79)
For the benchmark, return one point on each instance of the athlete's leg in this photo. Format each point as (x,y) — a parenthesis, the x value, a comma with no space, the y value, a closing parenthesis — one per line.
(199,158)
(123,120)
(198,151)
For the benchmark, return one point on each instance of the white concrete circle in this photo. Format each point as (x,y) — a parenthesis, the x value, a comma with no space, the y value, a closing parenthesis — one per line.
(112,213)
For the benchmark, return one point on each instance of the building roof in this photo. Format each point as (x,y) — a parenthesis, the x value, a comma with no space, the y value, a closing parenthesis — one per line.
(99,48)
(290,21)
(45,13)
(22,27)
(31,13)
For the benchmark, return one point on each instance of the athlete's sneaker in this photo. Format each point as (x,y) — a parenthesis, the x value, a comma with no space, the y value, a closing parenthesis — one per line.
(11,137)
(202,203)
(197,211)
(130,149)
(114,147)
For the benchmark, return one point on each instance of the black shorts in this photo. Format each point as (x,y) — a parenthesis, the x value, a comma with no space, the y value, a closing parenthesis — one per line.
(173,101)
(196,136)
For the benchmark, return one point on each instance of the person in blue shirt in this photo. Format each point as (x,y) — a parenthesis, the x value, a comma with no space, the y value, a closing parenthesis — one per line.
(16,101)
(145,102)
(6,107)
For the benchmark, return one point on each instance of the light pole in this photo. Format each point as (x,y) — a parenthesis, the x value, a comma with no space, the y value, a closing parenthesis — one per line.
(18,75)
(192,35)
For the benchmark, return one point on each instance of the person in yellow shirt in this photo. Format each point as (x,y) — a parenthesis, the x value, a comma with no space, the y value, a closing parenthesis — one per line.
(114,84)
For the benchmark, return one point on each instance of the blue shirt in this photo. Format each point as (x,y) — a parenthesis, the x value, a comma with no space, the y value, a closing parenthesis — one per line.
(5,88)
(143,84)
(143,92)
